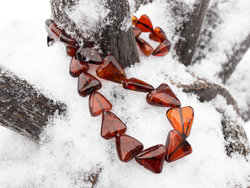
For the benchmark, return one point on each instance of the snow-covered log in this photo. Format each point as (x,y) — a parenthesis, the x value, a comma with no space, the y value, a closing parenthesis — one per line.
(24,109)
(138,3)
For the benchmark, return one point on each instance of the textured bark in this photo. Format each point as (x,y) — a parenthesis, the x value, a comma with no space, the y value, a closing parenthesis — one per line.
(138,3)
(24,109)
(234,58)
(113,39)
(190,31)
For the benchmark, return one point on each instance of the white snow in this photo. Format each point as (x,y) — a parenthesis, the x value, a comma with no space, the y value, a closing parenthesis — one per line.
(74,145)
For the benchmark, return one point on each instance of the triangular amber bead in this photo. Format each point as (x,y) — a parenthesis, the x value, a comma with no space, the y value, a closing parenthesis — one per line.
(145,24)
(127,147)
(163,96)
(71,51)
(158,35)
(87,84)
(152,158)
(111,125)
(145,47)
(134,20)
(162,49)
(111,70)
(98,103)
(137,85)
(181,119)
(89,55)
(177,146)
(136,31)
(76,68)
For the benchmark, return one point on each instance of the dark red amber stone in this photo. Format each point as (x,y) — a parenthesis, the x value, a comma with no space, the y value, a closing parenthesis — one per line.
(127,147)
(98,103)
(111,125)
(162,49)
(144,23)
(163,96)
(76,68)
(137,85)
(87,84)
(111,70)
(71,51)
(181,119)
(158,35)
(145,47)
(177,146)
(136,31)
(89,55)
(152,158)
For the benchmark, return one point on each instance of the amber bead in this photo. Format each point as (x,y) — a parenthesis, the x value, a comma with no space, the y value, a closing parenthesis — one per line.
(158,35)
(111,125)
(137,32)
(87,84)
(145,24)
(67,39)
(137,85)
(162,49)
(71,51)
(98,103)
(89,55)
(177,146)
(111,70)
(134,20)
(127,147)
(145,47)
(152,158)
(181,119)
(163,96)
(76,68)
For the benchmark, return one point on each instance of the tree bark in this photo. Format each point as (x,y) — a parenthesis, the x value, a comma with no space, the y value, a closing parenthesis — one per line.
(24,109)
(138,3)
(190,31)
(114,39)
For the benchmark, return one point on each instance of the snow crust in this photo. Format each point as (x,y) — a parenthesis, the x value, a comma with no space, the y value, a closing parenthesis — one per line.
(74,146)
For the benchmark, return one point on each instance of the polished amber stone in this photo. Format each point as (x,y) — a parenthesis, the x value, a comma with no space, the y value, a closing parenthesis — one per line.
(177,146)
(89,55)
(136,31)
(163,96)
(152,158)
(158,35)
(145,47)
(111,70)
(87,84)
(127,147)
(137,85)
(111,125)
(134,20)
(71,51)
(98,103)
(145,24)
(162,49)
(76,68)
(181,119)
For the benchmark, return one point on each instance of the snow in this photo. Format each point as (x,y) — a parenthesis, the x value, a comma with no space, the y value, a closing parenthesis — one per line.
(73,144)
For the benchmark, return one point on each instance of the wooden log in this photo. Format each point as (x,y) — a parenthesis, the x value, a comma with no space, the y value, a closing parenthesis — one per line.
(23,108)
(116,38)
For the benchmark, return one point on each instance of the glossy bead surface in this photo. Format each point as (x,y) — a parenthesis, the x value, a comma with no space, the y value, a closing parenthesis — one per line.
(177,146)
(163,96)
(71,51)
(162,49)
(145,24)
(87,84)
(111,70)
(134,20)
(88,55)
(98,103)
(181,119)
(152,158)
(127,147)
(111,125)
(76,68)
(145,47)
(137,32)
(158,35)
(137,85)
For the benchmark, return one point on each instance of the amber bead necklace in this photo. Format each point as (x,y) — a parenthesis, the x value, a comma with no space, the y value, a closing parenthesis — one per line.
(181,118)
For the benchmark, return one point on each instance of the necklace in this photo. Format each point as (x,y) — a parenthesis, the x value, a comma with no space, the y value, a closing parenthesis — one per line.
(181,118)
